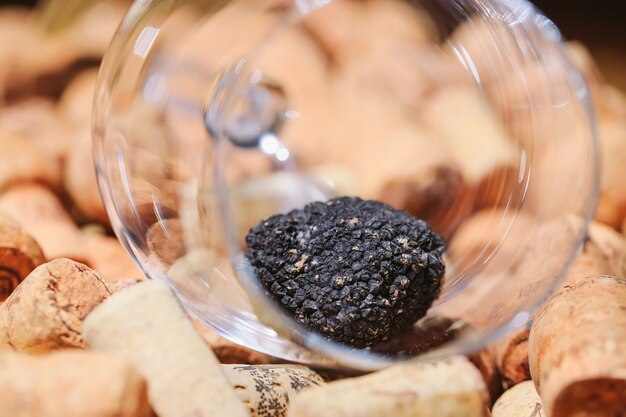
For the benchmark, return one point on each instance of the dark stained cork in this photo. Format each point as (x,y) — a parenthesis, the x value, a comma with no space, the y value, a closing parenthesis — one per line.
(357,271)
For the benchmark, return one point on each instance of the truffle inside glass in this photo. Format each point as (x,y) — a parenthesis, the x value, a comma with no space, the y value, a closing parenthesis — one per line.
(224,129)
(359,272)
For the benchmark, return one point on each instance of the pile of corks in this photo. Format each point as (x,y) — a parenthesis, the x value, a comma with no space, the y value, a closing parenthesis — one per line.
(76,342)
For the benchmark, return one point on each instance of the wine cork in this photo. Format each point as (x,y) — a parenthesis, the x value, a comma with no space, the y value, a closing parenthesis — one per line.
(511,354)
(485,362)
(425,196)
(21,160)
(88,33)
(446,388)
(430,187)
(530,272)
(583,60)
(76,102)
(8,221)
(107,256)
(70,383)
(14,26)
(386,49)
(79,177)
(46,310)
(479,122)
(64,45)
(123,284)
(498,188)
(145,325)
(610,102)
(576,349)
(612,206)
(496,234)
(40,214)
(342,29)
(266,389)
(612,135)
(166,242)
(488,47)
(37,122)
(520,401)
(19,255)
(603,253)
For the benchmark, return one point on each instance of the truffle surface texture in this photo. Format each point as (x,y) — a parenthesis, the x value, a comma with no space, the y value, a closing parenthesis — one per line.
(357,271)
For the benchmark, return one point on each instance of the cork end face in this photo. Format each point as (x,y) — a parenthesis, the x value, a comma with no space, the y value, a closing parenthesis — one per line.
(598,397)
(15,267)
(19,256)
(73,291)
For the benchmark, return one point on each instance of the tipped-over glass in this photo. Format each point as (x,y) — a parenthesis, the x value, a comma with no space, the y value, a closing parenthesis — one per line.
(213,115)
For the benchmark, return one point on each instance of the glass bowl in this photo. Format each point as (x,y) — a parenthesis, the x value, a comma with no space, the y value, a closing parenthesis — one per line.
(213,115)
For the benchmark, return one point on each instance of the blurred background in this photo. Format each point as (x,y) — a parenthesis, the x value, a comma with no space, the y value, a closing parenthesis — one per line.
(49,58)
(598,24)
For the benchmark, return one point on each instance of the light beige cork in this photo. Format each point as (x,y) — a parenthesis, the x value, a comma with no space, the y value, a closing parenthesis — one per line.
(520,401)
(266,389)
(451,387)
(145,325)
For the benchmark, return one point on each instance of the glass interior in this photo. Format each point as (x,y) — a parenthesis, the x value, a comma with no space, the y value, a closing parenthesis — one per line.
(213,115)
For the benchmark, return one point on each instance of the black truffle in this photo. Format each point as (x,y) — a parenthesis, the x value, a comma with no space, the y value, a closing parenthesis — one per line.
(355,270)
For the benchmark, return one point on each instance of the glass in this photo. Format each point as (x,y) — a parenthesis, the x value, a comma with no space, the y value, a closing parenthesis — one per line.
(213,115)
